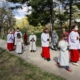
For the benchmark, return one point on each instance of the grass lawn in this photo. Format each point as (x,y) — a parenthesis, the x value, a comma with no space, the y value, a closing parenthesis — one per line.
(38,34)
(14,68)
(5,37)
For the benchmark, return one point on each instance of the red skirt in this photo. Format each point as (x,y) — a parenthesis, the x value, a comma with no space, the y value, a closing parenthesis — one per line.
(10,46)
(45,52)
(74,55)
(79,53)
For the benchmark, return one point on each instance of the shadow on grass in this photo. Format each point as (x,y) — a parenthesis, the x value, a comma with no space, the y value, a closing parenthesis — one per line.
(15,68)
(2,54)
(4,60)
(2,51)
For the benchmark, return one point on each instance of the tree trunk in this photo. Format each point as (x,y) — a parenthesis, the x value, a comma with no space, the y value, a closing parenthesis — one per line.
(70,14)
(51,17)
(51,13)
(60,18)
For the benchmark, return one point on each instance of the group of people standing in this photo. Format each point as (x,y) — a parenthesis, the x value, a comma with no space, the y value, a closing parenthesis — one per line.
(15,41)
(69,47)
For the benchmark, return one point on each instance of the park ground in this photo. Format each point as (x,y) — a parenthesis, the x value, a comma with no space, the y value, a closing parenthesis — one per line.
(34,59)
(14,68)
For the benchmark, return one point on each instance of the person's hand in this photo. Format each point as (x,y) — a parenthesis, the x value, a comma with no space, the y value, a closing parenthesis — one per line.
(77,38)
(47,39)
(31,40)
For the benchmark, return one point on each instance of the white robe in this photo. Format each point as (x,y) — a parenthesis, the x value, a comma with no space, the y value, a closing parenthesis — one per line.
(73,41)
(79,43)
(32,45)
(10,38)
(54,39)
(18,45)
(64,54)
(44,37)
(15,35)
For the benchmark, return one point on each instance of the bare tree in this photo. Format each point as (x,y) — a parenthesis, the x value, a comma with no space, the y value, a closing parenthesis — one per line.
(7,20)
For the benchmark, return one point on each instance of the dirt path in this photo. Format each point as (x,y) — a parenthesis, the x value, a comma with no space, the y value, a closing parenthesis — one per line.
(50,66)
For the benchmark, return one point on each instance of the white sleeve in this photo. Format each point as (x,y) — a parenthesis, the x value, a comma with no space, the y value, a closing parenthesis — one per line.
(29,38)
(35,38)
(15,34)
(21,34)
(21,40)
(12,36)
(73,38)
(43,38)
(59,44)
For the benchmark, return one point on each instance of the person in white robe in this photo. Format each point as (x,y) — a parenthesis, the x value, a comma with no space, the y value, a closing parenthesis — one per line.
(63,59)
(16,32)
(74,45)
(32,40)
(10,41)
(45,42)
(79,44)
(54,40)
(18,42)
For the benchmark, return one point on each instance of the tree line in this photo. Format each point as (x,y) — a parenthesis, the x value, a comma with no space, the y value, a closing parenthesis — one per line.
(7,20)
(52,11)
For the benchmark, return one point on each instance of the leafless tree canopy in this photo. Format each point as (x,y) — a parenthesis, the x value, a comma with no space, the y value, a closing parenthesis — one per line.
(7,20)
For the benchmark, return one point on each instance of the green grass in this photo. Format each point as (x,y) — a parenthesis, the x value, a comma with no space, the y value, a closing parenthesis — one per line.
(38,34)
(14,68)
(4,37)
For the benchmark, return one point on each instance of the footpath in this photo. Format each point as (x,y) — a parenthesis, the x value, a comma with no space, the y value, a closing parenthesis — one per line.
(36,59)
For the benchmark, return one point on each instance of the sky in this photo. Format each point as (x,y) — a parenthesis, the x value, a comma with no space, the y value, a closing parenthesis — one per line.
(18,13)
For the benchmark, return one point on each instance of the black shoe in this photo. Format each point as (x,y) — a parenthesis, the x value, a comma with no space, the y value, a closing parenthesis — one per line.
(55,49)
(42,56)
(19,53)
(31,50)
(48,59)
